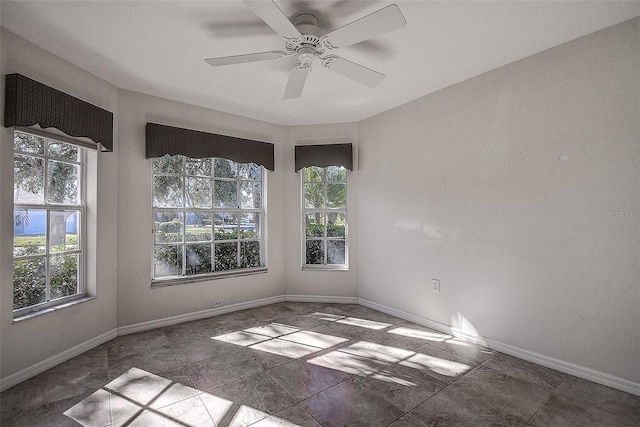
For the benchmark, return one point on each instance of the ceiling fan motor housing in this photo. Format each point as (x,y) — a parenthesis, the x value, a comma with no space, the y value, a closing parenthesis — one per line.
(306,47)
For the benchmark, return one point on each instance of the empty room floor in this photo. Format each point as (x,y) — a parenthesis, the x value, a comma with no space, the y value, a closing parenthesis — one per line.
(307,364)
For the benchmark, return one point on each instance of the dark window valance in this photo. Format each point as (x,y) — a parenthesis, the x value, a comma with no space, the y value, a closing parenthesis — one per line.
(28,103)
(324,155)
(162,139)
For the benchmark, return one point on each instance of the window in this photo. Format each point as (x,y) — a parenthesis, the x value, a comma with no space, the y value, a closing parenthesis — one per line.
(208,217)
(325,217)
(48,215)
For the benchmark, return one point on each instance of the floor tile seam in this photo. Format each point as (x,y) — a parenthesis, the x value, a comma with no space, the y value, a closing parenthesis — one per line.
(523,380)
(548,398)
(551,388)
(199,390)
(510,376)
(324,391)
(140,411)
(357,378)
(242,378)
(298,401)
(199,395)
(453,385)
(492,405)
(585,405)
(451,352)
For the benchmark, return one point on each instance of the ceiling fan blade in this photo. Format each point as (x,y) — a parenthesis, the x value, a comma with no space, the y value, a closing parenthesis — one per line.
(271,14)
(384,20)
(249,57)
(297,77)
(353,71)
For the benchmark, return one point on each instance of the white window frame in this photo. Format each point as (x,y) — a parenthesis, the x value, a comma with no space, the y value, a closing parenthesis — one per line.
(184,278)
(303,230)
(48,207)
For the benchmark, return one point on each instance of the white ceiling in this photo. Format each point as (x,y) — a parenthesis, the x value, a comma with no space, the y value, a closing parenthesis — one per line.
(159,47)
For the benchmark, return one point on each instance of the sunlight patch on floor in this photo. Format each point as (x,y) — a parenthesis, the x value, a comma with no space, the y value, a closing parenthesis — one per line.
(314,339)
(438,365)
(138,398)
(363,323)
(420,334)
(285,348)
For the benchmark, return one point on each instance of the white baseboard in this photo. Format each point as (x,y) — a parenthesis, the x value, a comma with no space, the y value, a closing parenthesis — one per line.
(168,321)
(40,367)
(540,359)
(321,298)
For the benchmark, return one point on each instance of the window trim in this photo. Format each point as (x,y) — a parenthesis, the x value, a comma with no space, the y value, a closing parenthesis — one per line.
(53,305)
(157,282)
(303,229)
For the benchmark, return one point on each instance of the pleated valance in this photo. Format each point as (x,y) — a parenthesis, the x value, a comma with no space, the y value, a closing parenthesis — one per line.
(162,139)
(29,103)
(324,155)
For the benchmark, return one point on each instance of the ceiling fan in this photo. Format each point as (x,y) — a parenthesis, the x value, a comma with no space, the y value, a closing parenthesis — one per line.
(303,41)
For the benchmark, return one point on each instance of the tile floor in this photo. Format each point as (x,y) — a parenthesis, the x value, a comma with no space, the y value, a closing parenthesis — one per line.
(307,364)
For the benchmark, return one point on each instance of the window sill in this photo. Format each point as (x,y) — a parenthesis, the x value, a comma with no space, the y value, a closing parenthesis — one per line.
(47,310)
(324,268)
(160,283)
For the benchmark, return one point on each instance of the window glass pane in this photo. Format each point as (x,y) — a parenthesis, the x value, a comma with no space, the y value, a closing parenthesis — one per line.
(198,194)
(313,174)
(28,143)
(62,150)
(64,275)
(225,194)
(168,164)
(189,219)
(198,259)
(249,254)
(250,225)
(226,256)
(314,196)
(335,252)
(315,224)
(29,232)
(250,171)
(250,195)
(63,182)
(315,252)
(198,226)
(167,261)
(336,173)
(200,167)
(167,191)
(63,230)
(226,225)
(168,226)
(336,195)
(29,282)
(224,168)
(28,179)
(325,201)
(336,222)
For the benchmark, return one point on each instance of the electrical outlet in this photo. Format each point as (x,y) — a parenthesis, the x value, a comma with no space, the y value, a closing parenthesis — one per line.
(218,303)
(436,285)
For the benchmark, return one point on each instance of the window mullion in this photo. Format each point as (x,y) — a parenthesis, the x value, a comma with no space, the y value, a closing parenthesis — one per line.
(184,216)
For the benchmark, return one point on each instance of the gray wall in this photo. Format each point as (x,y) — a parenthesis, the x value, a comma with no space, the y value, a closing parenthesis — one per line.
(33,340)
(137,301)
(501,187)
